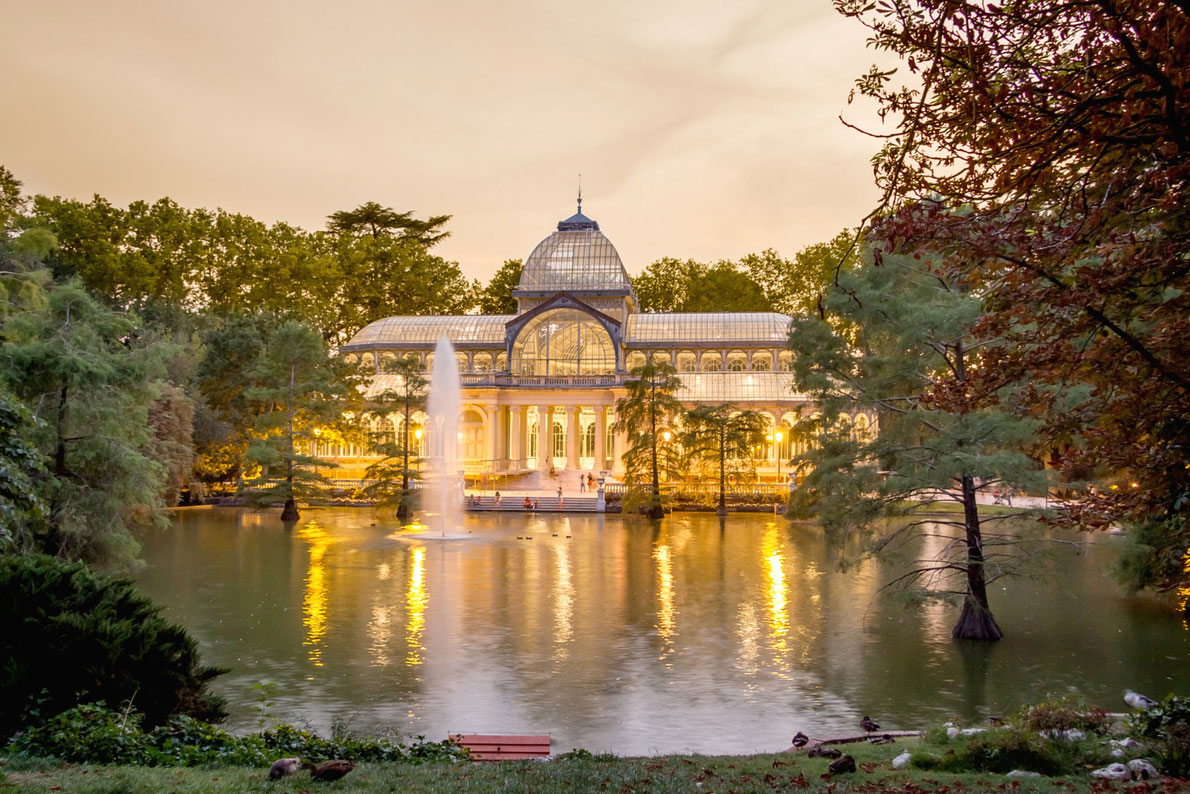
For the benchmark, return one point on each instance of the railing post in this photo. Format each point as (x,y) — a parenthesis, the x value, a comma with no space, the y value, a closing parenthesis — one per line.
(600,502)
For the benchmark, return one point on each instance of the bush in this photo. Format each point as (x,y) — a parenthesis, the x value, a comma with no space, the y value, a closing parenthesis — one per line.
(69,635)
(1005,750)
(1063,713)
(1168,728)
(93,734)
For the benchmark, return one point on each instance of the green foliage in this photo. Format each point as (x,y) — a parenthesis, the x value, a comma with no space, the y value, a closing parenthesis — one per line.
(721,437)
(372,219)
(1062,713)
(794,286)
(1002,751)
(1168,726)
(391,473)
(496,297)
(69,635)
(21,468)
(648,410)
(899,428)
(92,380)
(92,734)
(301,389)
(1156,554)
(671,285)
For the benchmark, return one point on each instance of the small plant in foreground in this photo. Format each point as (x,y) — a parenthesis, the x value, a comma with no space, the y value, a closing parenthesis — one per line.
(1063,713)
(1168,727)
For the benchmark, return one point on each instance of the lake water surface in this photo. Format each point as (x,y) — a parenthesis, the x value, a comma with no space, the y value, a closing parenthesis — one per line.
(618,634)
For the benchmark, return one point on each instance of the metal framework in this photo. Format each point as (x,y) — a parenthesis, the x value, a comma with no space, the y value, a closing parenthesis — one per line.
(581,260)
(706,329)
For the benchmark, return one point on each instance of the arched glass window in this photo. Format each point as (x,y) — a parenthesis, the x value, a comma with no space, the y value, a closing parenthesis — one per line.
(712,362)
(661,357)
(482,362)
(635,359)
(501,362)
(464,364)
(388,360)
(687,361)
(737,361)
(588,450)
(559,440)
(534,424)
(863,428)
(428,363)
(563,342)
(785,360)
(762,361)
(368,361)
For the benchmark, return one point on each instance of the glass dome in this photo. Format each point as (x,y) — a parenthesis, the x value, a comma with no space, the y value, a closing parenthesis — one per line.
(563,342)
(577,257)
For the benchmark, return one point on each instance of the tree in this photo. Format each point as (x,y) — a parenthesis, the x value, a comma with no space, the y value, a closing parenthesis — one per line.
(91,382)
(649,409)
(300,390)
(910,369)
(723,288)
(663,285)
(21,469)
(1062,132)
(496,297)
(794,286)
(719,434)
(69,635)
(372,219)
(406,395)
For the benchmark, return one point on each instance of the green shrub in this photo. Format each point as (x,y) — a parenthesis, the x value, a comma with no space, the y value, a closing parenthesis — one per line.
(69,635)
(1168,728)
(93,734)
(1005,750)
(1062,713)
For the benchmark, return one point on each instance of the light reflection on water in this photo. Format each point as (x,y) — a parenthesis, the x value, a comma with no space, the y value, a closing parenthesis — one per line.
(690,635)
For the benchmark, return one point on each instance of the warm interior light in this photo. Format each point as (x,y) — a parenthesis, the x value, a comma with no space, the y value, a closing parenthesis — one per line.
(780,436)
(317,431)
(417,434)
(1135,485)
(666,435)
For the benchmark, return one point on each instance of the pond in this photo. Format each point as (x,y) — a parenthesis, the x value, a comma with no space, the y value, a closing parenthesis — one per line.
(617,634)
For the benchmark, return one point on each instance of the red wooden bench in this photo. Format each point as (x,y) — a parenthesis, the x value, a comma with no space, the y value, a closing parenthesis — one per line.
(496,747)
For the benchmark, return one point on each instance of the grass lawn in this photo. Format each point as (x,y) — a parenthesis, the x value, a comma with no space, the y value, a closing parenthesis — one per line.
(760,773)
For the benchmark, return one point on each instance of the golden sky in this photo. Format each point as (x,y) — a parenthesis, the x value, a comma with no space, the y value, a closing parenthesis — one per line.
(702,128)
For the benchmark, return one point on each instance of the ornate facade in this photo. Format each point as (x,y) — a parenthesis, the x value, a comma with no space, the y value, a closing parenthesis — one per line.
(540,386)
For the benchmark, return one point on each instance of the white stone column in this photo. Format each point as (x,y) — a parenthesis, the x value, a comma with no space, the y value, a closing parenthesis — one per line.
(572,434)
(545,437)
(514,436)
(619,447)
(493,451)
(600,437)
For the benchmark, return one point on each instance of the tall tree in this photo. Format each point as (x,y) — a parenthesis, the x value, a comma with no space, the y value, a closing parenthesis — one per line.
(794,286)
(496,297)
(91,382)
(648,410)
(720,434)
(301,390)
(724,288)
(406,394)
(663,285)
(911,369)
(1063,130)
(22,468)
(376,221)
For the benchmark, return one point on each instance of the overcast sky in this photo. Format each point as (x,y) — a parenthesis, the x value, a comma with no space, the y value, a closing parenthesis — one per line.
(702,128)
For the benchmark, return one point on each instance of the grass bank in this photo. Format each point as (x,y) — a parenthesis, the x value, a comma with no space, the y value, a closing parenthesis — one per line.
(573,775)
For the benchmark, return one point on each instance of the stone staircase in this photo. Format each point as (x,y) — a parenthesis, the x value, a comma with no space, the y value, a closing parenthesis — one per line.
(514,503)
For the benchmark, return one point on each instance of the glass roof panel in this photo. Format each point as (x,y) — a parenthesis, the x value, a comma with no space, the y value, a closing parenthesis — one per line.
(669,329)
(427,330)
(577,259)
(737,387)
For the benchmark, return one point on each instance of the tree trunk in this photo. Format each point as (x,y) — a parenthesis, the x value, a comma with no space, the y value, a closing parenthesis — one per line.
(403,510)
(976,621)
(53,538)
(721,510)
(290,511)
(655,509)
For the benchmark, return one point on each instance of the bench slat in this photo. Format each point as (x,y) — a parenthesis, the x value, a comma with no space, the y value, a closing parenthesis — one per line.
(495,738)
(496,747)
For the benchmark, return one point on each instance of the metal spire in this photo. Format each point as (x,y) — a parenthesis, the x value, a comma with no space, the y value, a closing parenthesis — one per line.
(580,193)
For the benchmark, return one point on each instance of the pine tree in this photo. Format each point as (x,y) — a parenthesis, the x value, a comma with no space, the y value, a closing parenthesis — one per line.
(720,434)
(648,410)
(908,368)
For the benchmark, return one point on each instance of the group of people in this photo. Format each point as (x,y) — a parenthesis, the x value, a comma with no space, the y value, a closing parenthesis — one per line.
(586,482)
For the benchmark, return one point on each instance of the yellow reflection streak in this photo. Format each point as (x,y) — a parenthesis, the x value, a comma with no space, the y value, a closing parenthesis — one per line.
(415,602)
(563,602)
(315,600)
(666,614)
(777,597)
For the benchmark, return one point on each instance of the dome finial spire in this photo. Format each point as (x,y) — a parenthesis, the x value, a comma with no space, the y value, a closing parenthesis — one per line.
(580,193)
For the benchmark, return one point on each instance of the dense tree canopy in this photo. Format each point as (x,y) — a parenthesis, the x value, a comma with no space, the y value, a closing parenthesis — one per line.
(646,413)
(1059,136)
(496,297)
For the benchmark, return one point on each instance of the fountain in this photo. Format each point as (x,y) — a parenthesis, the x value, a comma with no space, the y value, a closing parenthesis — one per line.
(444,491)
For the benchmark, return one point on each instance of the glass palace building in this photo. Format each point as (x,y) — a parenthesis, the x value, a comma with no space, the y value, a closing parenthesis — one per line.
(539,387)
